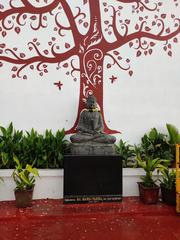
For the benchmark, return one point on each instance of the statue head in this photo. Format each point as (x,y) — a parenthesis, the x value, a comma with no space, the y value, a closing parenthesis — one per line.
(91,102)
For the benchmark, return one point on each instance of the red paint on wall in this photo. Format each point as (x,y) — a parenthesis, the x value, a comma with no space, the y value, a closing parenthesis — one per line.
(91,47)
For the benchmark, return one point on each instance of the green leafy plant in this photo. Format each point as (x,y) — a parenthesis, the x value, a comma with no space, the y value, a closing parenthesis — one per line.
(24,178)
(168,178)
(127,152)
(150,165)
(10,140)
(174,135)
(156,145)
(46,151)
(174,138)
(42,150)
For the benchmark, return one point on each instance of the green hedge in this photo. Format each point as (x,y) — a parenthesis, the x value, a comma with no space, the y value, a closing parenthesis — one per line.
(153,144)
(42,150)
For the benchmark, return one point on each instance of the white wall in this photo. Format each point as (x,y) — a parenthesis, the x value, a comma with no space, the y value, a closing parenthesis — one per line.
(50,183)
(133,105)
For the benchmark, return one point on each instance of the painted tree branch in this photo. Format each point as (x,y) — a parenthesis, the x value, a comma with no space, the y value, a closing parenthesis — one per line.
(40,59)
(138,3)
(28,8)
(117,62)
(72,23)
(143,34)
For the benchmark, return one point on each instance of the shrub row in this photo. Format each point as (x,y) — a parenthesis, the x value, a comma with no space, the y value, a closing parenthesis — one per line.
(41,150)
(153,144)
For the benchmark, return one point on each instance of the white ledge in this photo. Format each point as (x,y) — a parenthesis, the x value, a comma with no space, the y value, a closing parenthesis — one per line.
(50,183)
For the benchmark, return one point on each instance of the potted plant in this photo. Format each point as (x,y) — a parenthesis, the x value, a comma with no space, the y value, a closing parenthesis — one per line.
(168,186)
(174,138)
(25,180)
(148,189)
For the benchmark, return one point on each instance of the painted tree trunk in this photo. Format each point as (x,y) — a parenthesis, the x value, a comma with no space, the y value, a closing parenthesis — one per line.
(91,82)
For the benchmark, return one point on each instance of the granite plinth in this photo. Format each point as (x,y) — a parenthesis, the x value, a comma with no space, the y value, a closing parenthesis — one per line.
(92,178)
(92,148)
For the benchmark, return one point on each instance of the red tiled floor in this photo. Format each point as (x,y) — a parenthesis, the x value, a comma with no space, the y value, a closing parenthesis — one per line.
(52,220)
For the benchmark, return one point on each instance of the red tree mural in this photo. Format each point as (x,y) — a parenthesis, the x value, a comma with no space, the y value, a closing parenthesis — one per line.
(106,30)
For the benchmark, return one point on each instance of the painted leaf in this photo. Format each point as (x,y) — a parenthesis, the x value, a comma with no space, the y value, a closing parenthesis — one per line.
(116,52)
(33,17)
(127,21)
(152,44)
(138,53)
(85,24)
(175,40)
(24,16)
(2,45)
(141,8)
(130,72)
(106,22)
(67,45)
(169,46)
(163,15)
(4,33)
(150,51)
(65,65)
(168,30)
(14,69)
(46,51)
(137,27)
(17,30)
(22,55)
(145,52)
(170,53)
(147,29)
(130,44)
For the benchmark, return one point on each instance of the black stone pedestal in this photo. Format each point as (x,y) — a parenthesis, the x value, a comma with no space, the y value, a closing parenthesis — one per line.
(92,178)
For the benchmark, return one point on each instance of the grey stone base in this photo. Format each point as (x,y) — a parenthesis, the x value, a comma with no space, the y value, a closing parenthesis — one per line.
(92,148)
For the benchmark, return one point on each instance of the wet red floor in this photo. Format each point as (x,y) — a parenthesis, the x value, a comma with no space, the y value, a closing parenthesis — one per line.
(52,220)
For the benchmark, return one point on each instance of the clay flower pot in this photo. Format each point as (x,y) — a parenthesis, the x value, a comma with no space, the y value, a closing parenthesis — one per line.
(23,197)
(168,195)
(148,195)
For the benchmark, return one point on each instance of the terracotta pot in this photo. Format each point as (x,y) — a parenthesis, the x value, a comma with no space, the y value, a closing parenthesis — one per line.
(168,195)
(23,198)
(148,195)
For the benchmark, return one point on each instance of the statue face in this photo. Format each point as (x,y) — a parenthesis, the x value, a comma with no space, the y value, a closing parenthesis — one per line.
(91,103)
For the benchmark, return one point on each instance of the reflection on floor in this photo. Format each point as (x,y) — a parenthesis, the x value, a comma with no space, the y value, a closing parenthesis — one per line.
(52,220)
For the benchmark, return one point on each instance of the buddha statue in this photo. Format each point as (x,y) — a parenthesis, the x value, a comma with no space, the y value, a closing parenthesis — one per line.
(90,126)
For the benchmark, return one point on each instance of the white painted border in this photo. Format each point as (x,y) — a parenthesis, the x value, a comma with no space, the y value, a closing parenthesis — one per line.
(50,183)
